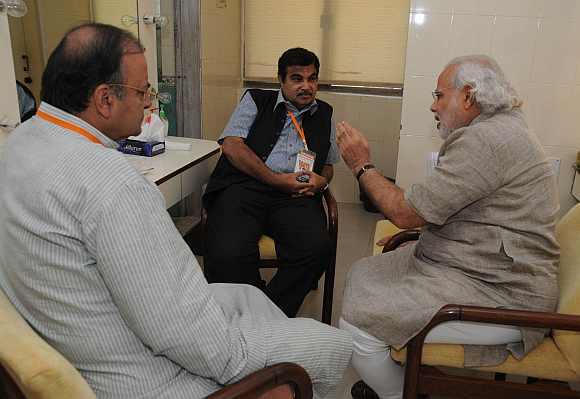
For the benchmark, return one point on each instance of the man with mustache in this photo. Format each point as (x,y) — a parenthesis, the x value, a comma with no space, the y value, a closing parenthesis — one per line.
(487,214)
(91,259)
(277,155)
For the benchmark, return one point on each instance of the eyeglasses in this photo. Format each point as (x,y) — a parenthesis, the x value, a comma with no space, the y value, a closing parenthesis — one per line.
(436,94)
(150,93)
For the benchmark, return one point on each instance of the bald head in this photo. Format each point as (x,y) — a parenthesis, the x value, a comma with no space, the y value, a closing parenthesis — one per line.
(87,56)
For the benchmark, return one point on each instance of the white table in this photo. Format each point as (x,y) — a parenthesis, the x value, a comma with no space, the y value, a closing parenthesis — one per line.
(178,173)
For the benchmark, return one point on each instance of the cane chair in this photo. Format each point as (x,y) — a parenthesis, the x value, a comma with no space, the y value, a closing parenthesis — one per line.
(547,369)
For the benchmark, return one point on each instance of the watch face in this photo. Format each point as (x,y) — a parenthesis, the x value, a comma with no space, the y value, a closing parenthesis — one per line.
(364,169)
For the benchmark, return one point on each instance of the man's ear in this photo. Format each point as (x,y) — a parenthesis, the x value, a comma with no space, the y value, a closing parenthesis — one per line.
(103,99)
(469,97)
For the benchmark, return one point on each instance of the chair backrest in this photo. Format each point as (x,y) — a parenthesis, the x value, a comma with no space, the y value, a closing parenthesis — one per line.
(38,370)
(568,234)
(26,102)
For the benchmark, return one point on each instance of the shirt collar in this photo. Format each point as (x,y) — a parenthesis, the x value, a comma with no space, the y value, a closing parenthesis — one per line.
(65,116)
(312,107)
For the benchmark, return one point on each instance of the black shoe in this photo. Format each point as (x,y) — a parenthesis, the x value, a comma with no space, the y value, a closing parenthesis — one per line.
(360,390)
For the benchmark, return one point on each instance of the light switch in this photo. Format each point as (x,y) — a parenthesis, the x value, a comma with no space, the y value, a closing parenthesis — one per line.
(555,162)
(431,162)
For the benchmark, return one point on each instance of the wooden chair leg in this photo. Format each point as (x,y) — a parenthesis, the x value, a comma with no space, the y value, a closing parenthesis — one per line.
(328,294)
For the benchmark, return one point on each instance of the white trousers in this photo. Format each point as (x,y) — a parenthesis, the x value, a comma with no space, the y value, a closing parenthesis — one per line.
(372,361)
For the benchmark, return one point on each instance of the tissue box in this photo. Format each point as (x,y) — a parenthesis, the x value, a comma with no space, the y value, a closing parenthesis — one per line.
(136,147)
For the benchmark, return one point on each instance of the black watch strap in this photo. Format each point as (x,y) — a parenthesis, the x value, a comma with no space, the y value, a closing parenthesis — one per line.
(362,170)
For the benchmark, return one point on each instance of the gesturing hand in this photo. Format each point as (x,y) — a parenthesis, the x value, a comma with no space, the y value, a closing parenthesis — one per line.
(354,147)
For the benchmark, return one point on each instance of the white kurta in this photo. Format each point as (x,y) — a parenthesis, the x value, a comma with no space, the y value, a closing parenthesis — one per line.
(91,259)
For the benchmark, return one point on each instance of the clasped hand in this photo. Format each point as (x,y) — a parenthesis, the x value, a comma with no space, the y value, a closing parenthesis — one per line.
(288,183)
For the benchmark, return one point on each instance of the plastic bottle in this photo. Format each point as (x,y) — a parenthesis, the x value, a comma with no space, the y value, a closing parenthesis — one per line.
(163,118)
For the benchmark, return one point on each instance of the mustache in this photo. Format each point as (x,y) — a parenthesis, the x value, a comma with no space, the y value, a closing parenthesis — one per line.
(305,93)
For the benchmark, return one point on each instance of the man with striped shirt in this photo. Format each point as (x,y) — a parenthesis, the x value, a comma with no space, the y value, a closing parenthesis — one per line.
(91,259)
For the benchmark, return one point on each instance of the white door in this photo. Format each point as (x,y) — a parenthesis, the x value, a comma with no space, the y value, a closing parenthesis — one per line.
(9,112)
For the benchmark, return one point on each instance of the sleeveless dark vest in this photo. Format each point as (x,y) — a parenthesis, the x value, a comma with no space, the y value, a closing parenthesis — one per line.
(264,134)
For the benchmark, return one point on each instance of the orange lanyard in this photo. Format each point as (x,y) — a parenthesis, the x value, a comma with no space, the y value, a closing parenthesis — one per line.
(68,126)
(298,129)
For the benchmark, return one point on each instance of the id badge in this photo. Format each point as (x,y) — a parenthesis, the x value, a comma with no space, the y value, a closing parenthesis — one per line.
(305,161)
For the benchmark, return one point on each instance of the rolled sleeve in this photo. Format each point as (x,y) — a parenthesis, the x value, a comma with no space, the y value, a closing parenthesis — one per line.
(241,120)
(467,171)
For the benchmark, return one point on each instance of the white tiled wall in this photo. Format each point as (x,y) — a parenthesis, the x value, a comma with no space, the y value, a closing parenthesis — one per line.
(537,43)
(379,119)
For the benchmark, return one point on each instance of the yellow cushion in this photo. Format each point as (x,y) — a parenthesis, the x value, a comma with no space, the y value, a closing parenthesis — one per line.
(383,228)
(39,370)
(545,361)
(568,233)
(267,248)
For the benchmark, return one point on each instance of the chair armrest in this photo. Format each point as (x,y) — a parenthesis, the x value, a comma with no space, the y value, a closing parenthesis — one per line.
(521,318)
(266,379)
(8,387)
(400,238)
(478,314)
(332,211)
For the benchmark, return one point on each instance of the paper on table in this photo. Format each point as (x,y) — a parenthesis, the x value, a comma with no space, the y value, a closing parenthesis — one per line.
(141,164)
(177,145)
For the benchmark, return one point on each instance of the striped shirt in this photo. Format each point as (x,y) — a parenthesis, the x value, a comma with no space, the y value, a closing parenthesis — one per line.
(91,259)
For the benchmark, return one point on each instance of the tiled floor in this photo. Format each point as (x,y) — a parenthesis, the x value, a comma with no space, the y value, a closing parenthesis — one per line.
(355,234)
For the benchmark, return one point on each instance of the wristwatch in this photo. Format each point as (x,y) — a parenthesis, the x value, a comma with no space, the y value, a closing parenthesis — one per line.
(323,189)
(362,170)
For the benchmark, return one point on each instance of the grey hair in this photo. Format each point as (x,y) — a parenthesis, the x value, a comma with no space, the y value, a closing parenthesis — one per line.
(489,86)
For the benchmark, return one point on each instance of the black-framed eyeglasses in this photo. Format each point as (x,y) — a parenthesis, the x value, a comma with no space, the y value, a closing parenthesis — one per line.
(150,93)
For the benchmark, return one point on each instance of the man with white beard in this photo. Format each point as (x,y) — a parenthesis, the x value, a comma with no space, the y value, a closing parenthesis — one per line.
(487,215)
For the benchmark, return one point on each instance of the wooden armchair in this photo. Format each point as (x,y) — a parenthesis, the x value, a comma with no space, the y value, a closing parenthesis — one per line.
(548,368)
(268,258)
(266,380)
(31,369)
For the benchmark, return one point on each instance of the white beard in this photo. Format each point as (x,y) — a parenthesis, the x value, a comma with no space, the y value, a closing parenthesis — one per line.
(444,132)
